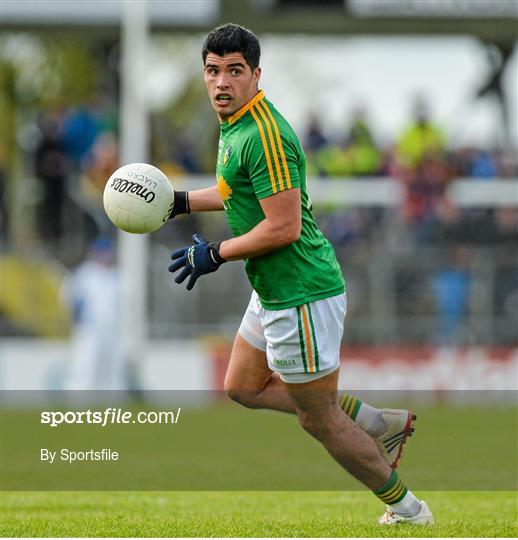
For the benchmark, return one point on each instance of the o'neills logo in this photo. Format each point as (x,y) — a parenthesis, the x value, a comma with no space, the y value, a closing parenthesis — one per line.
(125,186)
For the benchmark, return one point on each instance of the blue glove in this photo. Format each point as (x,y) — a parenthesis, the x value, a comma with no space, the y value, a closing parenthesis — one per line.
(199,259)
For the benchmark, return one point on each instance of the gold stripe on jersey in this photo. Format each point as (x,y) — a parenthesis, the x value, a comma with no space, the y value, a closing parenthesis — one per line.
(272,144)
(239,113)
(279,142)
(266,151)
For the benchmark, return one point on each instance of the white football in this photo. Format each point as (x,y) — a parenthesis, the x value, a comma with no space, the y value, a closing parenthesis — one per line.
(138,198)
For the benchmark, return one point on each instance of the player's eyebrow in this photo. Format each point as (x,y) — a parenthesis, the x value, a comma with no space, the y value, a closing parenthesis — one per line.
(235,64)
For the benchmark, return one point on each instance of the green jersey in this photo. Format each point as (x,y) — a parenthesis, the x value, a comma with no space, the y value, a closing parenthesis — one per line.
(259,155)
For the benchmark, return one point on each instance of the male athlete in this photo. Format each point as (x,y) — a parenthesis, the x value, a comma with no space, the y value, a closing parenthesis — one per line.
(286,353)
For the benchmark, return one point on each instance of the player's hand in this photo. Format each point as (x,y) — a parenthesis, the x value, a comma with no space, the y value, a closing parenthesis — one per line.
(196,260)
(181,204)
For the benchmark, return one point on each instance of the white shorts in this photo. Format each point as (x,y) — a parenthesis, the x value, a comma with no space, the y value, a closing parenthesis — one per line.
(301,343)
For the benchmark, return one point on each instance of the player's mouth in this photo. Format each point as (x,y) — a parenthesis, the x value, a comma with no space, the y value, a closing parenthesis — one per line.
(223,99)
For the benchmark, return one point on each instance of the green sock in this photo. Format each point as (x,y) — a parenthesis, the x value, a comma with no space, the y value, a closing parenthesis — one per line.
(350,405)
(369,418)
(392,491)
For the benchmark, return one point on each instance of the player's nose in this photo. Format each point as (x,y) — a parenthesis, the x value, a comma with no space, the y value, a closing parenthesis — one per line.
(222,81)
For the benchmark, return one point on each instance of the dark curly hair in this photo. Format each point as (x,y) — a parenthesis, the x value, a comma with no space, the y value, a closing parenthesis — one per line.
(231,38)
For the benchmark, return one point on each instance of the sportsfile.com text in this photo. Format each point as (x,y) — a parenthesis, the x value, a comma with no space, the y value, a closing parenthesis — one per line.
(109,416)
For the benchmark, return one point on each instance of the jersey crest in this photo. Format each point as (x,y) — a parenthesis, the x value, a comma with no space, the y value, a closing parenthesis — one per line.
(227,154)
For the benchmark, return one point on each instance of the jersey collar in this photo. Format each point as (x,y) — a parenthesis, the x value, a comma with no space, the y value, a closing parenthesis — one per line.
(239,113)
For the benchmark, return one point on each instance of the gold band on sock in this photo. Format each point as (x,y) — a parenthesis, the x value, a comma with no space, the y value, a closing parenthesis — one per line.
(350,405)
(393,490)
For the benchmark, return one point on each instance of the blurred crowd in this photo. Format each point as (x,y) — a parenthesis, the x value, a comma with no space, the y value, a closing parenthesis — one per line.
(75,150)
(425,164)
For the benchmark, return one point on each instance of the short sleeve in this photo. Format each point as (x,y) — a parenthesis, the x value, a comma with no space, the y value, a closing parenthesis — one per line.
(271,161)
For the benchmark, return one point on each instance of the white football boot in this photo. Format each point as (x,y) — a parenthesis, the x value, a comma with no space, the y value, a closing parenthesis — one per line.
(400,426)
(424,517)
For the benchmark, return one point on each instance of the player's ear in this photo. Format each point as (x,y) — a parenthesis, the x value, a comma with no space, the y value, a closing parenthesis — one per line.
(256,75)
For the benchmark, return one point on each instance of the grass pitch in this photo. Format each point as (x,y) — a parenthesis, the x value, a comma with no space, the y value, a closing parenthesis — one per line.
(228,443)
(246,514)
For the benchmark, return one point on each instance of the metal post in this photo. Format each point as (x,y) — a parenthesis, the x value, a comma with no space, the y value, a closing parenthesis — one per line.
(133,248)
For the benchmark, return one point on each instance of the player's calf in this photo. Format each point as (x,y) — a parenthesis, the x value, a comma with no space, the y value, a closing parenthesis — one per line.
(319,427)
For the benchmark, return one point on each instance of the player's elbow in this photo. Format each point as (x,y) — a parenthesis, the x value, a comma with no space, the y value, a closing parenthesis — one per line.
(294,236)
(290,234)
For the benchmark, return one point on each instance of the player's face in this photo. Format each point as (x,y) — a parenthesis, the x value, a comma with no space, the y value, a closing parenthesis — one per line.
(230,82)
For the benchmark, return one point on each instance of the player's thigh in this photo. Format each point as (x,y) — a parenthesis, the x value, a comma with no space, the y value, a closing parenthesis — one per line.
(248,368)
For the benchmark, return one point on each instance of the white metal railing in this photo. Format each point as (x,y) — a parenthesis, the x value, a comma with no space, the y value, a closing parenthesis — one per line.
(388,192)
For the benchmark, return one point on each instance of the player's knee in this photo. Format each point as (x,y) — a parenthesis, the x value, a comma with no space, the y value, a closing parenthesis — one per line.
(234,395)
(232,392)
(241,396)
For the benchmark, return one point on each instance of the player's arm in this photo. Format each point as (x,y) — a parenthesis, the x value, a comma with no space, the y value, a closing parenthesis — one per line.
(280,227)
(198,200)
(205,200)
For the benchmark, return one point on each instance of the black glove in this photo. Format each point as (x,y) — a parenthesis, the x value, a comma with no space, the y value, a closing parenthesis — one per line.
(181,204)
(199,259)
